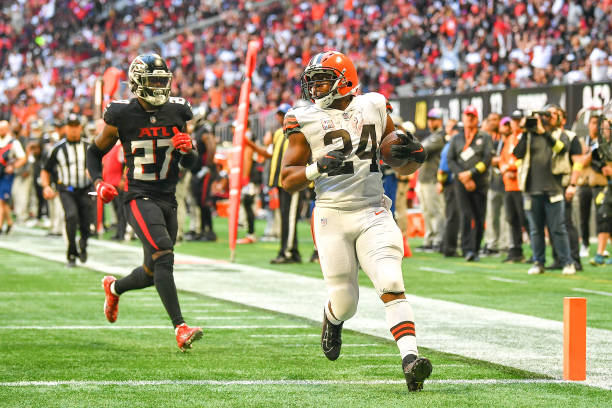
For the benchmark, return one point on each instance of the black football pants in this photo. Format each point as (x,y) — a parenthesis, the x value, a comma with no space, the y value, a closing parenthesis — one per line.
(289,205)
(155,223)
(473,208)
(78,213)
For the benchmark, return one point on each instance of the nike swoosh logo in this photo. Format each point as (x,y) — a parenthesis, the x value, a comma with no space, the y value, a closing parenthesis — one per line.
(378,212)
(417,151)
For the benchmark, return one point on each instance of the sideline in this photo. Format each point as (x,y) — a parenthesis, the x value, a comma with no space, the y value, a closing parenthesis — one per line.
(509,339)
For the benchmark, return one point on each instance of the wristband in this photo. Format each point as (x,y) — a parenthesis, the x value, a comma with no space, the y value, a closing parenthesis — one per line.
(312,172)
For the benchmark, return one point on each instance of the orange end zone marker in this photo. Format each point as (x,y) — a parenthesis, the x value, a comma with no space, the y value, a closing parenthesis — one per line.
(574,338)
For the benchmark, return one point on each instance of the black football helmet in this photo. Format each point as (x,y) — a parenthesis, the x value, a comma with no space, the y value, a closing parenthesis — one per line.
(150,79)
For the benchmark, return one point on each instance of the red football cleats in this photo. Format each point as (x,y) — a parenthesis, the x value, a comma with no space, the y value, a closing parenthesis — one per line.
(186,335)
(111,303)
(181,141)
(106,191)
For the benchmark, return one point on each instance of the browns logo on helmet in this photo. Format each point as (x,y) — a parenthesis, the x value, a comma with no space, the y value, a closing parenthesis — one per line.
(333,67)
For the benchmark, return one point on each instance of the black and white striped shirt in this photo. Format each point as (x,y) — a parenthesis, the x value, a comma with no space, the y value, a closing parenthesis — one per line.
(67,163)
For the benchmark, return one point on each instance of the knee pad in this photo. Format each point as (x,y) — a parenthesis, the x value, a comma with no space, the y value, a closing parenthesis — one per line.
(390,282)
(163,265)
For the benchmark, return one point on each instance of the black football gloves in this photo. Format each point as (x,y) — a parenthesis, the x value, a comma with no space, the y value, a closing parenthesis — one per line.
(410,149)
(331,161)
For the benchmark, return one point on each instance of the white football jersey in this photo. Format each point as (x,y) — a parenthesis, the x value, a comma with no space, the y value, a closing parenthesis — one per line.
(357,131)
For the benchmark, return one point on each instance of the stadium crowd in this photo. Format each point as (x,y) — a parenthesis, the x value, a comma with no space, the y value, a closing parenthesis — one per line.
(52,51)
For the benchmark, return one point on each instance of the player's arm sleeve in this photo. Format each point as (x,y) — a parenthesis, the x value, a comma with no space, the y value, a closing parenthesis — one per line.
(189,160)
(106,140)
(110,115)
(291,125)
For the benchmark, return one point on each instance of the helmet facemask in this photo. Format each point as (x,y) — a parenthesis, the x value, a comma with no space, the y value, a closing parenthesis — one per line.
(317,75)
(153,86)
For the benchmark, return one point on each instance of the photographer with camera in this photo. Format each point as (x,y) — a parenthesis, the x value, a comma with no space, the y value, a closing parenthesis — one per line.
(568,180)
(542,187)
(601,163)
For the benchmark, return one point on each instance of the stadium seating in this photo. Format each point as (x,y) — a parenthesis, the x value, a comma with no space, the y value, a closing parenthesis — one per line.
(52,51)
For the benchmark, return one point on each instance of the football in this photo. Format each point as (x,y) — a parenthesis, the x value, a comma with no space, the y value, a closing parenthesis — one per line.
(385,150)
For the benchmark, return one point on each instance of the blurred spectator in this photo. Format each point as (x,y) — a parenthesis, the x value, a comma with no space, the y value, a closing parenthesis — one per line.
(590,182)
(496,234)
(469,159)
(12,157)
(203,175)
(513,199)
(432,202)
(603,214)
(54,53)
(451,204)
(573,154)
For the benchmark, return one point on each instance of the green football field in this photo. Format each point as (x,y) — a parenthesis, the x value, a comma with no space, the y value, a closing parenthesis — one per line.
(56,349)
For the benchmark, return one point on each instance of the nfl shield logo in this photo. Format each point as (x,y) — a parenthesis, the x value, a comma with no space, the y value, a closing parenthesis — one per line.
(323,221)
(153,119)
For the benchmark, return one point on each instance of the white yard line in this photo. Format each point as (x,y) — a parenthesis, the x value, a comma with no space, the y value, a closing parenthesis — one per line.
(510,339)
(234,318)
(495,278)
(42,293)
(284,335)
(148,383)
(595,292)
(113,327)
(438,270)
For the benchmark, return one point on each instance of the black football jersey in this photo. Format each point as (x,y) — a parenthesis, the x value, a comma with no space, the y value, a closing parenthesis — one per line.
(151,161)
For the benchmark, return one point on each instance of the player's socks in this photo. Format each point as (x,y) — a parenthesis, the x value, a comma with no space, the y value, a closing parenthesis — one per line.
(400,320)
(164,283)
(138,279)
(330,316)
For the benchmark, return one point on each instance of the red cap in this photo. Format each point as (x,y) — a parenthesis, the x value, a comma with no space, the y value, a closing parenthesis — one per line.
(471,110)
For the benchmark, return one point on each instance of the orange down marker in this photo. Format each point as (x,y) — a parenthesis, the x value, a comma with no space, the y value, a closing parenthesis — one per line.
(574,338)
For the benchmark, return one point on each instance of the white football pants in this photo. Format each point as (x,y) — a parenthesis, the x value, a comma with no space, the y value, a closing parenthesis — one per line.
(369,238)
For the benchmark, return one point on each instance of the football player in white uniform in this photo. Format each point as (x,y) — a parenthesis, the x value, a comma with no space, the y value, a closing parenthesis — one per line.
(334,143)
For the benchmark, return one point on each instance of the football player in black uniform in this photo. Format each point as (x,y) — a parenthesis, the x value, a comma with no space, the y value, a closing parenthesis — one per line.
(151,128)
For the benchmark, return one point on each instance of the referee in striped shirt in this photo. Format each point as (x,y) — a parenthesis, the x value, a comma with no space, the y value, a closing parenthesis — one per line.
(67,168)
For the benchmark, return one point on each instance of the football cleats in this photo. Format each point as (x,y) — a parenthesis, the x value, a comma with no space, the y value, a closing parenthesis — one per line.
(331,338)
(150,79)
(333,67)
(186,335)
(416,370)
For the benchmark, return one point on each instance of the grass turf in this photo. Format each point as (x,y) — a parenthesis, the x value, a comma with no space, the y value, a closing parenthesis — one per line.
(42,293)
(471,283)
